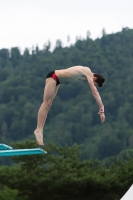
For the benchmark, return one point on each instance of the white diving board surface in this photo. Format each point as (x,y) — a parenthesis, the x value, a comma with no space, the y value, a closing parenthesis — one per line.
(6,150)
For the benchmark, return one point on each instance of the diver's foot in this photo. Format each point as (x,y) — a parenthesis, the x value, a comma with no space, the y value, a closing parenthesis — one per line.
(39,137)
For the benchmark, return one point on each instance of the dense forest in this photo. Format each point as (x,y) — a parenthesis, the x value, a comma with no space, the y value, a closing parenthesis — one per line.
(86,160)
(73,117)
(60,175)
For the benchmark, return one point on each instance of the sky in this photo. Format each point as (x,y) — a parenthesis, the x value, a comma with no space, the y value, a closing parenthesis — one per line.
(28,23)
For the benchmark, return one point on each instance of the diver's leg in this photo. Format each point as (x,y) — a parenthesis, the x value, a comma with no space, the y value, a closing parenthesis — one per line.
(50,92)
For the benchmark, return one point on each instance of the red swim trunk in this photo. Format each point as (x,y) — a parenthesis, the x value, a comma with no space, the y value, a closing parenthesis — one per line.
(53,75)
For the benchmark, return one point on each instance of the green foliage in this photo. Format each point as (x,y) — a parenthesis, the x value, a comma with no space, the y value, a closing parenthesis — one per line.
(7,193)
(73,117)
(61,175)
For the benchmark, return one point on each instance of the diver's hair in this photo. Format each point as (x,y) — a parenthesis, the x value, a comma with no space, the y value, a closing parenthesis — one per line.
(100,79)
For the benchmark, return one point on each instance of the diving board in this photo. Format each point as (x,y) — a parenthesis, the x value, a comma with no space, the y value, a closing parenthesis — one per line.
(4,147)
(6,150)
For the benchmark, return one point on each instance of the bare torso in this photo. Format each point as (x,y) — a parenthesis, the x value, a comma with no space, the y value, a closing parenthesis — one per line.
(76,73)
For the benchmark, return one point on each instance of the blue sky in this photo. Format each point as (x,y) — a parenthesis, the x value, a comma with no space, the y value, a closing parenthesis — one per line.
(27,23)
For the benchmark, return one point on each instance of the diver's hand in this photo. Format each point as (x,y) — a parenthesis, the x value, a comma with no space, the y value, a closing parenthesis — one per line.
(101,113)
(102,116)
